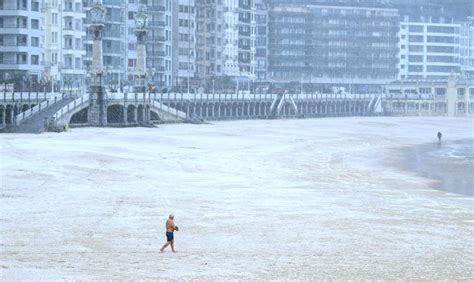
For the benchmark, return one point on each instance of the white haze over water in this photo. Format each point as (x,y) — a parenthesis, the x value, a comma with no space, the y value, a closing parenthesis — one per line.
(281,199)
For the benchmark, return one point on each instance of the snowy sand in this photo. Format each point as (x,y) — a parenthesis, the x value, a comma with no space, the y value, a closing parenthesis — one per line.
(285,199)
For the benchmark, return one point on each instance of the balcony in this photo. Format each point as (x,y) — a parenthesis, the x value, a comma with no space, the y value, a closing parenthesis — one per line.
(156,24)
(156,8)
(12,7)
(156,54)
(156,39)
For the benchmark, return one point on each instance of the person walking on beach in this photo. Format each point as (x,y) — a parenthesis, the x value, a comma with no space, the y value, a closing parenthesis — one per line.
(170,228)
(440,135)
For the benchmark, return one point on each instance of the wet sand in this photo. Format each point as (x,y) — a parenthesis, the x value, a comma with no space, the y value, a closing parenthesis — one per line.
(449,162)
(307,199)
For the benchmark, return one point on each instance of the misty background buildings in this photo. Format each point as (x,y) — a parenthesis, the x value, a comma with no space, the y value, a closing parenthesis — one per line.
(223,45)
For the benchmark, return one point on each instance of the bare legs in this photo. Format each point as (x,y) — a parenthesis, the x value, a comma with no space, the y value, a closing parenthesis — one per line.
(169,243)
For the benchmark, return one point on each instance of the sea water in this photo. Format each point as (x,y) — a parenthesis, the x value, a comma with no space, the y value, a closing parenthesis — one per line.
(452,163)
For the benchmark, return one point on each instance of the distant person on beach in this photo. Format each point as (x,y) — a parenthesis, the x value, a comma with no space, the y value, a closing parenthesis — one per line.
(170,228)
(440,135)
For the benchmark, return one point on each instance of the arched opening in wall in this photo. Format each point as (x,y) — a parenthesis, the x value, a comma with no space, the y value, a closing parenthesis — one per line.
(115,114)
(147,113)
(198,110)
(131,118)
(2,115)
(262,109)
(80,117)
(16,110)
(154,116)
(140,113)
(204,111)
(461,107)
(8,114)
(25,107)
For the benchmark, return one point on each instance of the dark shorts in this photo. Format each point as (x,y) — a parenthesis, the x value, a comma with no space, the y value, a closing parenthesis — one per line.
(169,236)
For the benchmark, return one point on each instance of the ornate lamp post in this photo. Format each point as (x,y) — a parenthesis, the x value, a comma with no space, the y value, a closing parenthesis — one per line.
(98,108)
(140,33)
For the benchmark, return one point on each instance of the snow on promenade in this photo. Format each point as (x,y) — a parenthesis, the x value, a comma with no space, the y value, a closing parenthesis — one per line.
(284,199)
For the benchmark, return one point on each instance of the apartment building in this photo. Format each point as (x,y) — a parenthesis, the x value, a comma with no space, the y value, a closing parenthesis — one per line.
(64,37)
(466,48)
(21,34)
(225,39)
(132,8)
(429,48)
(354,43)
(159,42)
(261,40)
(184,43)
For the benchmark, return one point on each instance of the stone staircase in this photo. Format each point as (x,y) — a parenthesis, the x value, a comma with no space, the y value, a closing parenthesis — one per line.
(37,122)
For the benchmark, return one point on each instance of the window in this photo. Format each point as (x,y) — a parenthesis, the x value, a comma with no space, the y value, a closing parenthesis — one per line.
(415,28)
(415,38)
(447,69)
(34,59)
(35,24)
(54,58)
(440,91)
(34,41)
(441,49)
(440,29)
(54,18)
(415,58)
(441,39)
(415,68)
(415,48)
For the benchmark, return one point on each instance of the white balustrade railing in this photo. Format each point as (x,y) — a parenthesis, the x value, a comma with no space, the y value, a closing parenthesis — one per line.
(21,117)
(26,96)
(71,106)
(253,97)
(231,96)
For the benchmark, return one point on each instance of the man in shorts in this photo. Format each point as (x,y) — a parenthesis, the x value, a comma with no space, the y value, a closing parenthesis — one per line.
(170,228)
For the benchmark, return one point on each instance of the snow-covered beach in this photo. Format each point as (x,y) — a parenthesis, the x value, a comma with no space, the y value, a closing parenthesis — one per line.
(279,199)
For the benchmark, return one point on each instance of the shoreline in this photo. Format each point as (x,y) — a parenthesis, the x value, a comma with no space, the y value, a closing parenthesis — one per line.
(444,163)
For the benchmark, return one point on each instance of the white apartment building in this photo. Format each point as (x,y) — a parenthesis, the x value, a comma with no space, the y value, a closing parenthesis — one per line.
(132,9)
(64,43)
(239,31)
(184,43)
(429,49)
(21,52)
(226,39)
(159,42)
(467,47)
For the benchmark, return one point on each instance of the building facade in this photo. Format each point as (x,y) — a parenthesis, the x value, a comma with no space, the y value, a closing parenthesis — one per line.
(225,39)
(429,49)
(321,44)
(64,43)
(184,44)
(261,40)
(466,48)
(159,42)
(131,11)
(21,35)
